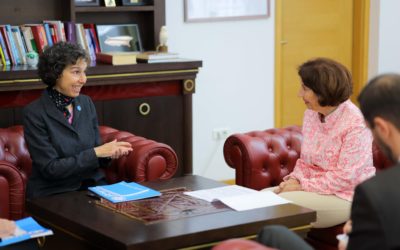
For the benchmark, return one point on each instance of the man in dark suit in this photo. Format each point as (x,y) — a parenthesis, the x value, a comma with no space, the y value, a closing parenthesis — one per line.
(375,216)
(376,204)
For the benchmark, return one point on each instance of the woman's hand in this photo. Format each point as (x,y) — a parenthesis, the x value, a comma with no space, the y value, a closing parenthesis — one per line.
(347,227)
(289,185)
(7,228)
(113,149)
(342,245)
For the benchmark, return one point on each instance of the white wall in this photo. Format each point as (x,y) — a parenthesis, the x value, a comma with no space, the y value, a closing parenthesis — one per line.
(389,37)
(235,86)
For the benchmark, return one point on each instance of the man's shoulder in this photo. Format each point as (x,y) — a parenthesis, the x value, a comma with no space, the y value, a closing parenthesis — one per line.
(383,180)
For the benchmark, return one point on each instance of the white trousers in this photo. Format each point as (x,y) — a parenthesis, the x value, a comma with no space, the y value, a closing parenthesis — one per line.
(330,209)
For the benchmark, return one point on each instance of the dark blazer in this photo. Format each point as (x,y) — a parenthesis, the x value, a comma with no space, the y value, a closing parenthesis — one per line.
(376,212)
(62,153)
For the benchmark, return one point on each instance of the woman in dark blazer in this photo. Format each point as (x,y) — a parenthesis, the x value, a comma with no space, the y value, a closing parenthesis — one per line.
(61,128)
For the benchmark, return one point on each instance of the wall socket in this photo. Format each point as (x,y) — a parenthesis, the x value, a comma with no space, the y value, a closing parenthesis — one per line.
(220,133)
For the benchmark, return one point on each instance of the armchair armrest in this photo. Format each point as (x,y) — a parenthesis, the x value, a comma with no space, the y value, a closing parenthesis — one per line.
(240,244)
(148,161)
(12,192)
(262,158)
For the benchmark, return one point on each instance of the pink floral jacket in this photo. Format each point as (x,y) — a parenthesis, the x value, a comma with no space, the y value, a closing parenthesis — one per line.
(335,155)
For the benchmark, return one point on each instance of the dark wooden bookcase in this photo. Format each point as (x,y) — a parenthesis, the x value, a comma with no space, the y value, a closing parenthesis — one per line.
(151,100)
(150,18)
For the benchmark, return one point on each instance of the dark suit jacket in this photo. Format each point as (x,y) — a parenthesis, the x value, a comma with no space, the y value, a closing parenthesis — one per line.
(62,153)
(376,212)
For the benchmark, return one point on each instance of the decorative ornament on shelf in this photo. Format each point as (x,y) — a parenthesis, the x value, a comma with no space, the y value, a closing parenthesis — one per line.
(163,38)
(32,59)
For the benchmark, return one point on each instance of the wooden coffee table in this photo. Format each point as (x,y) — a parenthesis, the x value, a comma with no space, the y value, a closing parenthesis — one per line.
(79,223)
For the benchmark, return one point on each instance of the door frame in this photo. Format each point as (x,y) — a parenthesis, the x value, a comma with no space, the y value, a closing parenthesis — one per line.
(361,15)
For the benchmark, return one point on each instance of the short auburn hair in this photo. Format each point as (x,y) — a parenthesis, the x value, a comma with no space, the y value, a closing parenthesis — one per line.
(329,80)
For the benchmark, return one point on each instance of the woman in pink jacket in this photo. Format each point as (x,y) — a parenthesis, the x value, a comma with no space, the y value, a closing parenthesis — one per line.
(336,152)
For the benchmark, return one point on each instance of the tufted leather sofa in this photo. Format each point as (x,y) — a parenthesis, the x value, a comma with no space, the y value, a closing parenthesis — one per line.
(148,161)
(262,158)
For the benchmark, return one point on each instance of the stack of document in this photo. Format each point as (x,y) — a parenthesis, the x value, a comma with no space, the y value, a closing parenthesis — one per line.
(239,198)
(124,191)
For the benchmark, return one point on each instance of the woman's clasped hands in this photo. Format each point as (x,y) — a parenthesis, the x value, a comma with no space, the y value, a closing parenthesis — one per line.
(113,149)
(288,185)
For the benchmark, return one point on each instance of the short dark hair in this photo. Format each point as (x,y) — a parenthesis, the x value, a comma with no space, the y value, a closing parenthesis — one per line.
(330,80)
(381,97)
(56,58)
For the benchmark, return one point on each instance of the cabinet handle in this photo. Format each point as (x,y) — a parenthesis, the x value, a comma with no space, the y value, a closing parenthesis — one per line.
(144,108)
(188,85)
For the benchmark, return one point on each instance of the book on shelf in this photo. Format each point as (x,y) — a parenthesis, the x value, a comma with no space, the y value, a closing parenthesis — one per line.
(152,55)
(124,191)
(19,43)
(70,31)
(117,58)
(2,59)
(59,26)
(5,55)
(13,45)
(53,30)
(47,32)
(90,43)
(239,198)
(26,229)
(29,39)
(93,34)
(39,36)
(80,38)
(7,44)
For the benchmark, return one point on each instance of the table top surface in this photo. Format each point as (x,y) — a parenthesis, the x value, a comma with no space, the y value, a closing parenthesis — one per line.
(78,214)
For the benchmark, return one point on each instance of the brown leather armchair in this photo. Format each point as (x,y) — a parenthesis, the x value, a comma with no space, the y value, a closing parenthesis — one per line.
(148,161)
(262,158)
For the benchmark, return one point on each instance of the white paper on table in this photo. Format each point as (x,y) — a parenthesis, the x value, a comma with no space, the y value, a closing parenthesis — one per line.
(255,200)
(239,198)
(220,192)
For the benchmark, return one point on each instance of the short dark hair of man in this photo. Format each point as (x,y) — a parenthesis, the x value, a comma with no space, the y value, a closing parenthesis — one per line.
(56,58)
(330,80)
(381,97)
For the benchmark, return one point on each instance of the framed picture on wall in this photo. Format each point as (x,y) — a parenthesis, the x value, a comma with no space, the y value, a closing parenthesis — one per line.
(119,38)
(87,2)
(211,10)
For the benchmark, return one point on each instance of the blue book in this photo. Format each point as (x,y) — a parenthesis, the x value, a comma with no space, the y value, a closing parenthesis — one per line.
(13,45)
(92,52)
(27,228)
(48,34)
(124,191)
(19,43)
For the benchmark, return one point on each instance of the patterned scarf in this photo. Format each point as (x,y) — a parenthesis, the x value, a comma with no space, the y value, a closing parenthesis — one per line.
(61,101)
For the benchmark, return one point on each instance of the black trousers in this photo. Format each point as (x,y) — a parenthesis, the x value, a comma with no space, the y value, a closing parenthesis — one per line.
(282,238)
